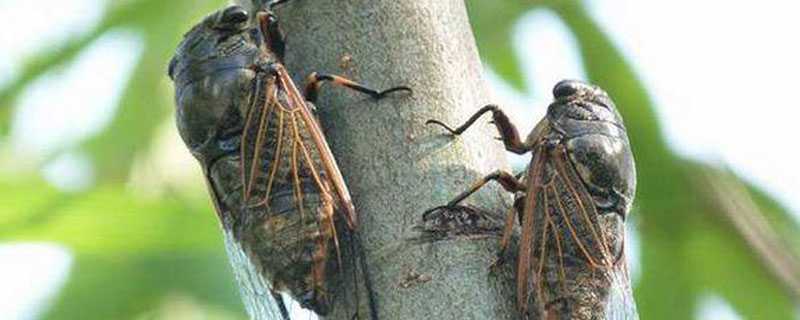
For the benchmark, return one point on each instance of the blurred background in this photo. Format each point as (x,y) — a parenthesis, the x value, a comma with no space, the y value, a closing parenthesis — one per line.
(103,214)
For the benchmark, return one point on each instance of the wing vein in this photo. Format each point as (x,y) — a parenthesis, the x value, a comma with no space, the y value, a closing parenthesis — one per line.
(326,156)
(260,136)
(580,195)
(562,211)
(296,184)
(276,161)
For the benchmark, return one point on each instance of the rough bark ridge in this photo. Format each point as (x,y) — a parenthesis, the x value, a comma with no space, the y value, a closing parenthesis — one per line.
(395,166)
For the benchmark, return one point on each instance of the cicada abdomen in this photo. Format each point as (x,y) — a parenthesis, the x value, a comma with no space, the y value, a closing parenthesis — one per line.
(571,204)
(271,174)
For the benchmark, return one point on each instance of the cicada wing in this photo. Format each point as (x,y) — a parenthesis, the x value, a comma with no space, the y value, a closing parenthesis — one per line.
(287,181)
(328,162)
(577,209)
(621,304)
(534,235)
(601,246)
(284,153)
(328,175)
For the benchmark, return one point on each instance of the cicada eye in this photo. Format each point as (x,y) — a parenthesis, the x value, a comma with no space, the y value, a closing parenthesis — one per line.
(566,88)
(234,15)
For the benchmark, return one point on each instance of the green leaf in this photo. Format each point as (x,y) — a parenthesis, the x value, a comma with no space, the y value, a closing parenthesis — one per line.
(688,249)
(109,287)
(784,222)
(26,203)
(130,253)
(730,271)
(492,23)
(35,67)
(146,102)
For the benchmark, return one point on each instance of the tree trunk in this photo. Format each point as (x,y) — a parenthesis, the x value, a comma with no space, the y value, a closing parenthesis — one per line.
(395,166)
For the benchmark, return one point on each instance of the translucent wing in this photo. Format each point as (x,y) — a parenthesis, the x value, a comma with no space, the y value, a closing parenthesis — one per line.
(621,305)
(529,220)
(284,145)
(319,144)
(292,186)
(569,252)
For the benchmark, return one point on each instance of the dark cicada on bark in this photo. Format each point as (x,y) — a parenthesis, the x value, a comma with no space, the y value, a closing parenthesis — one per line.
(271,174)
(571,204)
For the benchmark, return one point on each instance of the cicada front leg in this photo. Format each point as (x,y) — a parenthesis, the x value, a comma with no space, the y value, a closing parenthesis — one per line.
(315,80)
(508,132)
(511,184)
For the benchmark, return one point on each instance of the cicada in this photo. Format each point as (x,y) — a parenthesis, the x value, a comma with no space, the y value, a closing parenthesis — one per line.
(270,171)
(571,203)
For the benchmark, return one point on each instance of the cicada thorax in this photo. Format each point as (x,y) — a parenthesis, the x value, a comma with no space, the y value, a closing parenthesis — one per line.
(213,74)
(595,169)
(586,185)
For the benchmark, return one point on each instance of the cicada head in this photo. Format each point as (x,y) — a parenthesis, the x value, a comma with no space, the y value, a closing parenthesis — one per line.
(213,71)
(586,119)
(224,35)
(579,101)
(265,18)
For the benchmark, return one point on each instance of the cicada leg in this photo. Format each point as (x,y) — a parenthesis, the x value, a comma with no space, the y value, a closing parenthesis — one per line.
(505,240)
(315,80)
(508,132)
(510,183)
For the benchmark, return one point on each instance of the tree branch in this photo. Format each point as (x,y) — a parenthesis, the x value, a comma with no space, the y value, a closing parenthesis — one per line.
(395,166)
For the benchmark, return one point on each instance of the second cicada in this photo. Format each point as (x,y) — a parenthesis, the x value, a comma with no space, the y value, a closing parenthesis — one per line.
(271,174)
(571,203)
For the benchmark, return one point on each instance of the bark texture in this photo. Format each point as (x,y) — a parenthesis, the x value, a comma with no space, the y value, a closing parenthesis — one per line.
(395,166)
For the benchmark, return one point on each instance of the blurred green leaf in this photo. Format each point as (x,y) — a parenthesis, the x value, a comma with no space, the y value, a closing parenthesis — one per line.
(102,287)
(129,252)
(690,251)
(493,22)
(37,66)
(730,271)
(779,217)
(144,104)
(26,204)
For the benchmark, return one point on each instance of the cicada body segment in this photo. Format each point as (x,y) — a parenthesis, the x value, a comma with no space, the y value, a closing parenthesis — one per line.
(571,204)
(214,76)
(262,152)
(597,144)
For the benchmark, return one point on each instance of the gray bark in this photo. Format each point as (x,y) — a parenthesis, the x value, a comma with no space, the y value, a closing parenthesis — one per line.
(395,166)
